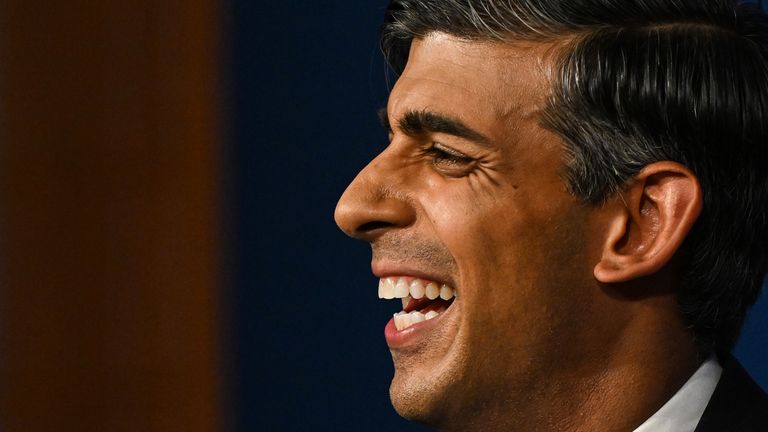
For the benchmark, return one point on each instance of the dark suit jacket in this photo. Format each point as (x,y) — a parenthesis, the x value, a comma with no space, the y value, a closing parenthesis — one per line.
(738,404)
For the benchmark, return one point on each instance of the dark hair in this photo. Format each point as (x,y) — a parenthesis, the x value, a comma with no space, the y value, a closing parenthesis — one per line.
(641,81)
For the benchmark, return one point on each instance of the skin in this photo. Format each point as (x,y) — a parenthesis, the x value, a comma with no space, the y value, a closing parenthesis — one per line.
(565,318)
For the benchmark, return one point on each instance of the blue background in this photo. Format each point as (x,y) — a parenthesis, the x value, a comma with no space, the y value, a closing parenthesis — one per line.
(306,79)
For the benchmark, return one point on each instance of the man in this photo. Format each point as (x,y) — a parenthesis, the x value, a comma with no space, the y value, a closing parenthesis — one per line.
(574,209)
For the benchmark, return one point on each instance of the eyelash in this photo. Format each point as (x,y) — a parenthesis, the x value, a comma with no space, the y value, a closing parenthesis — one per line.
(441,155)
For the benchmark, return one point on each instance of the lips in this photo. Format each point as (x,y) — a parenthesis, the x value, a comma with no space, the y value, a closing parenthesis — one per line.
(422,300)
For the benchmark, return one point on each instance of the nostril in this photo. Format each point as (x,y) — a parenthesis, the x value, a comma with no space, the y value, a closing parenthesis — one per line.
(373,226)
(367,209)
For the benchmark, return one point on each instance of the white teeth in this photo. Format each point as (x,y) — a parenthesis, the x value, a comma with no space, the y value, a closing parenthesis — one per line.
(432,291)
(386,289)
(446,292)
(390,288)
(417,289)
(402,289)
(404,320)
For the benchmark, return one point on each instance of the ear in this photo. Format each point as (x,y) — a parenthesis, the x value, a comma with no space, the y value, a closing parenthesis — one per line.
(648,222)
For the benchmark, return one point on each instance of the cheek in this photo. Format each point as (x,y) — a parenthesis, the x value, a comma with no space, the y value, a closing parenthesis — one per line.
(461,209)
(482,230)
(518,260)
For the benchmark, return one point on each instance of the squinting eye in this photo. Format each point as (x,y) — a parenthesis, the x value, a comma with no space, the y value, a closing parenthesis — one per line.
(444,156)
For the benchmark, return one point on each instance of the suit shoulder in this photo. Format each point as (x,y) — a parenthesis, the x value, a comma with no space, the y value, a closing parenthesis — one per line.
(738,403)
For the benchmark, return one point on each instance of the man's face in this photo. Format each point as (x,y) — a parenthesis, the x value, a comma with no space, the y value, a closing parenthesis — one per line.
(478,203)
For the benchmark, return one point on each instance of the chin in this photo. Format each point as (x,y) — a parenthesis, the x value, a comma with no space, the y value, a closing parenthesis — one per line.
(412,404)
(419,399)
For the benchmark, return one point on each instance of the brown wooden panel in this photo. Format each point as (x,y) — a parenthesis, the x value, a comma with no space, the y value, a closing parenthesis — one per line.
(108,202)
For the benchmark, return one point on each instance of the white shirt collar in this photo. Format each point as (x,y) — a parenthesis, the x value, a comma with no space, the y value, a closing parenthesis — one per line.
(684,410)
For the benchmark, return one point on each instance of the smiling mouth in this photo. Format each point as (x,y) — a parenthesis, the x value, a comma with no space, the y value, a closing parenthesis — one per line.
(422,299)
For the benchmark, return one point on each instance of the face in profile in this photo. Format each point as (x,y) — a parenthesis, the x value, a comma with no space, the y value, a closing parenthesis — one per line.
(469,201)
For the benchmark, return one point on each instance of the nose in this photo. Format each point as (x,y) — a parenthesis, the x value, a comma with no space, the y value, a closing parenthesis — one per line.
(374,203)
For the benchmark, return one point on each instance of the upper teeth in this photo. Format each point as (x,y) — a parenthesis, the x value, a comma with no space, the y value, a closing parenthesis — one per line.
(390,288)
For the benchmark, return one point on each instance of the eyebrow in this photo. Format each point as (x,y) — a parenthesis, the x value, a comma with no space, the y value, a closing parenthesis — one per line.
(415,123)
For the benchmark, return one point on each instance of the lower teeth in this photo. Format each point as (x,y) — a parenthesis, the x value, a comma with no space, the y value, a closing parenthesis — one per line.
(404,320)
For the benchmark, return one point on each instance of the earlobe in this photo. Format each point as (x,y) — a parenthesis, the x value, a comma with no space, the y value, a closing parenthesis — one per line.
(648,222)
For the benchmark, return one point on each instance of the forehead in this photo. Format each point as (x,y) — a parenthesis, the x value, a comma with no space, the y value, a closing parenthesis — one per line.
(474,81)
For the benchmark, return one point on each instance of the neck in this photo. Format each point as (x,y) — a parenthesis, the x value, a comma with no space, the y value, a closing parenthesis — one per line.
(647,365)
(635,384)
